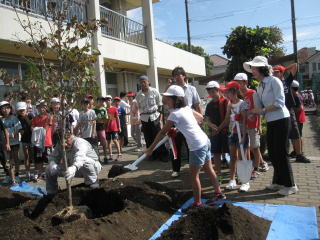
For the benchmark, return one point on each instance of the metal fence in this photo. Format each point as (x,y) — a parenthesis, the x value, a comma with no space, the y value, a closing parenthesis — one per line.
(73,8)
(120,27)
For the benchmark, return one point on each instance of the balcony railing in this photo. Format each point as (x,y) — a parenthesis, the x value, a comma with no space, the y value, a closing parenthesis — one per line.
(76,8)
(121,27)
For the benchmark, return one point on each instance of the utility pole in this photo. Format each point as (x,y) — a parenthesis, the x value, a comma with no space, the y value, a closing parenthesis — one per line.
(188,26)
(294,32)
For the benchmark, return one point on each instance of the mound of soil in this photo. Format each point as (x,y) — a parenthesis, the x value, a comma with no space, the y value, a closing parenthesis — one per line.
(10,199)
(117,170)
(211,223)
(121,209)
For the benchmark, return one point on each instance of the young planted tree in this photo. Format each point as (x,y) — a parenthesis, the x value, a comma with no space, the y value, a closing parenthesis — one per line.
(64,59)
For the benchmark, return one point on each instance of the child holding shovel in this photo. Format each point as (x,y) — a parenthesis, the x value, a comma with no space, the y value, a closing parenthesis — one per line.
(236,111)
(186,121)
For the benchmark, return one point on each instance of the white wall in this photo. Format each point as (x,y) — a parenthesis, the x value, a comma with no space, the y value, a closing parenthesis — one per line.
(169,57)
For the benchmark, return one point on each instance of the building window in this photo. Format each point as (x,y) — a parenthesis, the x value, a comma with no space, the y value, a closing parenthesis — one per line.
(314,67)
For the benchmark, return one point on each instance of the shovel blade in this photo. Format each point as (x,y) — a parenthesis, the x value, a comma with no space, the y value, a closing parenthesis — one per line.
(131,167)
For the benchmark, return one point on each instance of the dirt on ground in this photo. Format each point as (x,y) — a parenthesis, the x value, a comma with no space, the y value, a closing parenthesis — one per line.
(121,209)
(211,223)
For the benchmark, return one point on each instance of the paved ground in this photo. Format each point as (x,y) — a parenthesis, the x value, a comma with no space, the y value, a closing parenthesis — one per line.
(306,175)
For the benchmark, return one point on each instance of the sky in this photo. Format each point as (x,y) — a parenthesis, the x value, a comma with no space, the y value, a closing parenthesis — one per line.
(212,20)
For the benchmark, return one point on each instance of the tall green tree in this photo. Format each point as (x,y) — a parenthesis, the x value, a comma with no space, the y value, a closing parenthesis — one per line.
(244,43)
(198,51)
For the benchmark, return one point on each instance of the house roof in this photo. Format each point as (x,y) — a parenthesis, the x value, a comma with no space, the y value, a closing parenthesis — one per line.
(218,60)
(216,77)
(312,56)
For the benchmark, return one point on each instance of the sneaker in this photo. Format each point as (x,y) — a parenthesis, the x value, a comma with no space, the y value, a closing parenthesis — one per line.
(6,180)
(231,185)
(192,207)
(293,154)
(94,185)
(217,197)
(14,183)
(254,174)
(302,159)
(17,179)
(244,187)
(110,157)
(288,190)
(138,150)
(119,158)
(274,187)
(264,167)
(175,174)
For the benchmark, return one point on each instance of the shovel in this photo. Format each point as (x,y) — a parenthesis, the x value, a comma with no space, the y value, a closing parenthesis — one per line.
(133,166)
(244,166)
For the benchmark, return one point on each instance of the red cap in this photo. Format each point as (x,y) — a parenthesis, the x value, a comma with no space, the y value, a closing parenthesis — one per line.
(231,84)
(279,68)
(89,96)
(130,94)
(117,98)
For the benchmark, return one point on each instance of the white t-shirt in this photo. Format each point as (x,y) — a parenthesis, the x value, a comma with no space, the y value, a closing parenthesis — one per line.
(86,123)
(186,123)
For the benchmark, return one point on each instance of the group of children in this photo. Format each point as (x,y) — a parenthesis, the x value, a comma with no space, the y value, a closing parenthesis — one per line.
(38,129)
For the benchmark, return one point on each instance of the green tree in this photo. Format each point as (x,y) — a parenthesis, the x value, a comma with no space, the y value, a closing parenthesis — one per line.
(65,40)
(198,51)
(244,43)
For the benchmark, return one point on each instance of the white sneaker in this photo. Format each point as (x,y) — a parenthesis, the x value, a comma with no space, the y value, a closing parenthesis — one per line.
(288,190)
(244,187)
(274,187)
(138,150)
(231,185)
(175,174)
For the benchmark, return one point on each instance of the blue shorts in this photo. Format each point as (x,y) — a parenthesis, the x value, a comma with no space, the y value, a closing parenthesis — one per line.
(200,156)
(234,141)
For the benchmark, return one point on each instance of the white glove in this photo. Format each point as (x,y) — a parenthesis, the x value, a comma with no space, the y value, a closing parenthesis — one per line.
(70,173)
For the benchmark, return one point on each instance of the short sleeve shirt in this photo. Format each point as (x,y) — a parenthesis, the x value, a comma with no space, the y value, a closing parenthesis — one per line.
(44,121)
(248,97)
(86,121)
(101,114)
(148,103)
(122,116)
(112,125)
(26,127)
(213,113)
(186,123)
(13,125)
(289,99)
(191,96)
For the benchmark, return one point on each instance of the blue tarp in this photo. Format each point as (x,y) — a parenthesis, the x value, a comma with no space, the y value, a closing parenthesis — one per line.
(288,222)
(33,190)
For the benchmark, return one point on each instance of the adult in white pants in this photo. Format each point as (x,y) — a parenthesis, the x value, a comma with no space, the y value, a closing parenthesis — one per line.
(82,161)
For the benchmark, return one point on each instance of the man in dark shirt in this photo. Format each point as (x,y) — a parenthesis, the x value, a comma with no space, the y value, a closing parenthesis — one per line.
(294,134)
(214,116)
(4,146)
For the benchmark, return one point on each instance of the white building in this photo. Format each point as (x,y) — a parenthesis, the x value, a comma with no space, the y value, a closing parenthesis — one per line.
(129,47)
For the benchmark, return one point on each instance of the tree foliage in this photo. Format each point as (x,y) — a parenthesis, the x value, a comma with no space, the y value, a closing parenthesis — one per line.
(244,43)
(198,51)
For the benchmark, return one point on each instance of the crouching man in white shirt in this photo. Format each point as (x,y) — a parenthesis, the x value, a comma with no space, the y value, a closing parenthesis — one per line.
(82,161)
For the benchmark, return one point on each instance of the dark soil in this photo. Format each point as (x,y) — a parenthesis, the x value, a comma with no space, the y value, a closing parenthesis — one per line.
(120,209)
(117,170)
(225,223)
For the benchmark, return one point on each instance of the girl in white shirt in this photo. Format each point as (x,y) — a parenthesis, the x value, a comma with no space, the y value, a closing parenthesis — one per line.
(186,121)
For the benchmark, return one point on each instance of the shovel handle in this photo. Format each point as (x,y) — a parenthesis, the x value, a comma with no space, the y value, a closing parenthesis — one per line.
(239,138)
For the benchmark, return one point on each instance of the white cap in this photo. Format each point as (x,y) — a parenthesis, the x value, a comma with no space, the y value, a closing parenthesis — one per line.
(108,96)
(174,90)
(241,77)
(21,106)
(213,84)
(295,84)
(55,100)
(2,103)
(258,61)
(41,102)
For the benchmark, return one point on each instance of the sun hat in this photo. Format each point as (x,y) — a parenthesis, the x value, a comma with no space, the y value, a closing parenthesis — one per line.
(295,84)
(21,106)
(2,103)
(241,77)
(174,90)
(143,78)
(231,84)
(279,68)
(117,98)
(212,84)
(130,94)
(41,103)
(258,61)
(55,100)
